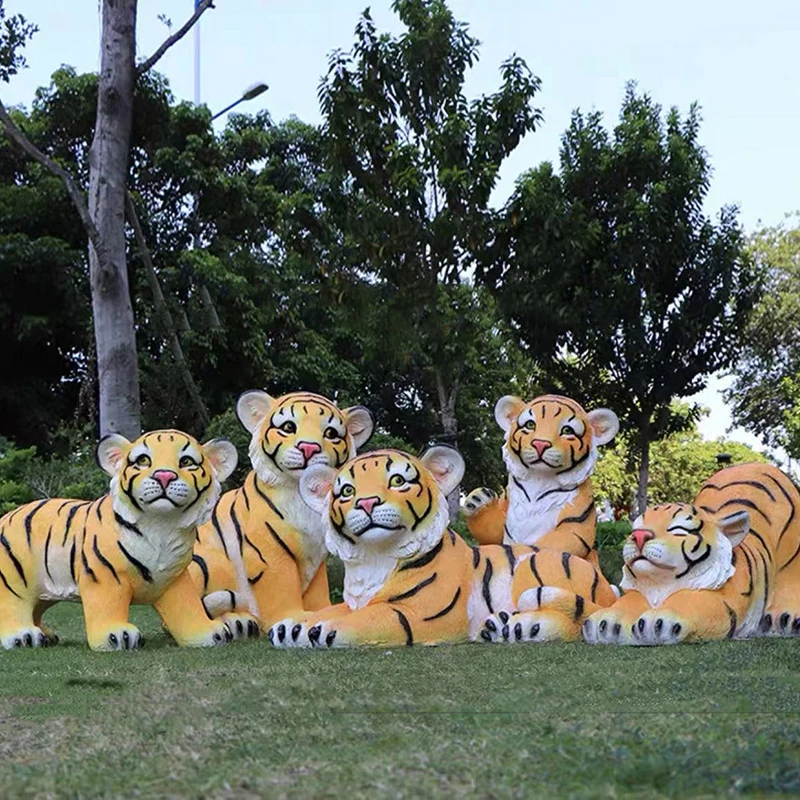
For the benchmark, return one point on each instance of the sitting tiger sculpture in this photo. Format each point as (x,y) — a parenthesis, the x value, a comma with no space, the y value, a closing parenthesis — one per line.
(131,546)
(263,550)
(727,566)
(409,579)
(550,450)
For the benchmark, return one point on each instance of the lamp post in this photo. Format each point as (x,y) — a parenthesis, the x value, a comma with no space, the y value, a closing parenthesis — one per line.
(248,94)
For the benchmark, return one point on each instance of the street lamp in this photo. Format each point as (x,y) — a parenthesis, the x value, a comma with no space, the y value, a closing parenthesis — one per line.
(249,93)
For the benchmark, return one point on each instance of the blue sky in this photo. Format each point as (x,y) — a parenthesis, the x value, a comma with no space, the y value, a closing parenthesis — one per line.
(739,59)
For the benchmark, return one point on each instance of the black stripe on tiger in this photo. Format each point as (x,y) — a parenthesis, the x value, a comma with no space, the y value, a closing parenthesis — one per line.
(423,561)
(579,603)
(13,558)
(258,552)
(594,585)
(266,499)
(29,520)
(254,581)
(583,542)
(201,562)
(418,520)
(743,548)
(737,501)
(5,583)
(521,488)
(512,562)
(218,529)
(406,627)
(535,571)
(280,541)
(47,552)
(447,609)
(143,570)
(72,559)
(565,564)
(734,621)
(754,484)
(476,557)
(487,579)
(413,590)
(791,515)
(121,521)
(70,517)
(237,527)
(690,562)
(582,517)
(89,571)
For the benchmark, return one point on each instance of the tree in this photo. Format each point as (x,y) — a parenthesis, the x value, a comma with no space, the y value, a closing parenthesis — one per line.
(104,217)
(614,260)
(420,161)
(765,393)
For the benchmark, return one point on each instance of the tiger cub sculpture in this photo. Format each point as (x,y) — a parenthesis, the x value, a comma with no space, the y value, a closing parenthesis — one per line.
(409,579)
(263,550)
(727,566)
(550,450)
(131,546)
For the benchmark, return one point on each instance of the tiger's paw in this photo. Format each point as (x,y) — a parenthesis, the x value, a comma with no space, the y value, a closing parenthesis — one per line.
(291,633)
(28,636)
(660,626)
(478,500)
(242,625)
(528,626)
(607,627)
(780,622)
(217,633)
(118,637)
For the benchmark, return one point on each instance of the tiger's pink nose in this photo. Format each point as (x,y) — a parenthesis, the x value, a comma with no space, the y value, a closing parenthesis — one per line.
(165,477)
(641,537)
(308,449)
(367,503)
(541,445)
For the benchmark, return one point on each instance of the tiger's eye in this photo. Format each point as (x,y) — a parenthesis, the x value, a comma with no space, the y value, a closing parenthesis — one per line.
(289,427)
(530,425)
(396,480)
(143,461)
(187,461)
(348,490)
(568,430)
(331,433)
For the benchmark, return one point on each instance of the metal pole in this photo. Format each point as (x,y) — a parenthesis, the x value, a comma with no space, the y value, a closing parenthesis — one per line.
(196,58)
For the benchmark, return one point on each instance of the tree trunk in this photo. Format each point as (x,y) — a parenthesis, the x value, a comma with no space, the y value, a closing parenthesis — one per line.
(115,336)
(447,413)
(644,472)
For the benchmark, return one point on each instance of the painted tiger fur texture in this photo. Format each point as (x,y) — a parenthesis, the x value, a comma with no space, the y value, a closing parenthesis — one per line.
(409,579)
(726,566)
(263,550)
(550,450)
(131,546)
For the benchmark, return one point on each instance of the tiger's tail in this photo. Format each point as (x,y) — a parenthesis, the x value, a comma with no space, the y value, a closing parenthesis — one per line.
(224,602)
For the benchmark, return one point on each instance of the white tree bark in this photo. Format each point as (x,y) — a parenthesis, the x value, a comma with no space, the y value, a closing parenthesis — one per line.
(115,336)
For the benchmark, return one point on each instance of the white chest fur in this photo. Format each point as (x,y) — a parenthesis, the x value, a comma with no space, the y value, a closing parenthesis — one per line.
(531,515)
(163,549)
(308,525)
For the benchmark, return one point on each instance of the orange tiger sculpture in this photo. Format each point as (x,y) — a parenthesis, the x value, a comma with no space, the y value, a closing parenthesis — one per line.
(131,546)
(409,579)
(550,451)
(263,551)
(727,566)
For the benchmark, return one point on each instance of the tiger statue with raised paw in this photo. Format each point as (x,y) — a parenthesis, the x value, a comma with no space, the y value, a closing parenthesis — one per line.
(131,546)
(726,566)
(263,550)
(410,579)
(550,450)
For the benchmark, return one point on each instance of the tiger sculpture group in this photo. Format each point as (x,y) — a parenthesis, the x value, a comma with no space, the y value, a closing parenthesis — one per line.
(219,567)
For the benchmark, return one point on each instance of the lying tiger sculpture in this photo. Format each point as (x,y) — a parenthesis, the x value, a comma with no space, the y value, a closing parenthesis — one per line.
(263,550)
(727,566)
(409,579)
(550,450)
(131,546)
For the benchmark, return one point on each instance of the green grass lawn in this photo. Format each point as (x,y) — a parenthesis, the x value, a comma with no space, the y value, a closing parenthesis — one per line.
(247,721)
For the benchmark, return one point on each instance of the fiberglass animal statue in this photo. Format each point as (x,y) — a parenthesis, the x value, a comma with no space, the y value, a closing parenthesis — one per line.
(550,450)
(726,566)
(131,546)
(410,579)
(263,551)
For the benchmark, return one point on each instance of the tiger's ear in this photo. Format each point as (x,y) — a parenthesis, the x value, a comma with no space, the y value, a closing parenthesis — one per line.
(735,526)
(111,450)
(605,424)
(507,409)
(360,424)
(252,407)
(315,485)
(445,464)
(223,457)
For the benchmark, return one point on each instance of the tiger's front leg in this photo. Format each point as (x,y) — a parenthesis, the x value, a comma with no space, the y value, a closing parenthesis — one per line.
(485,513)
(614,624)
(379,625)
(105,610)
